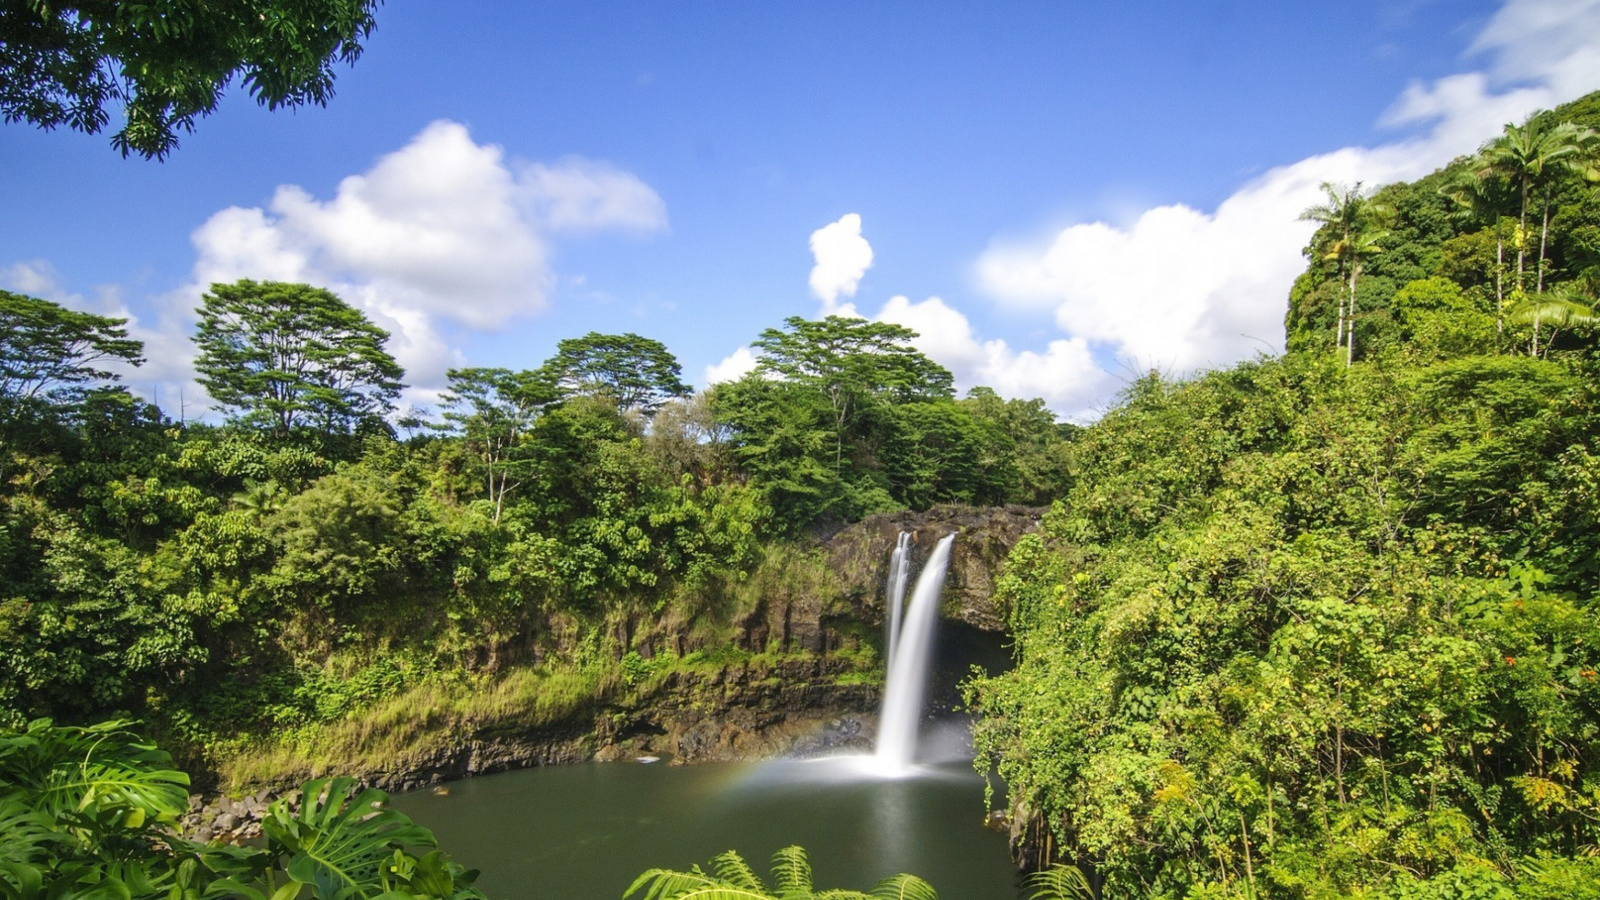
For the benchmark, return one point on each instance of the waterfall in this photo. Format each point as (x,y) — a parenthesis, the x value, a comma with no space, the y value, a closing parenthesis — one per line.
(910,655)
(899,567)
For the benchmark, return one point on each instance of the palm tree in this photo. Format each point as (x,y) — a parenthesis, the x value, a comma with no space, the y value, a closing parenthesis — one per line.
(1560,306)
(1482,196)
(1532,156)
(1354,225)
(731,878)
(260,498)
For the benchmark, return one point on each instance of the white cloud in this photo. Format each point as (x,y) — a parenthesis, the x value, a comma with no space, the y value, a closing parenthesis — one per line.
(582,196)
(735,366)
(1181,288)
(842,257)
(440,232)
(1553,43)
(1064,375)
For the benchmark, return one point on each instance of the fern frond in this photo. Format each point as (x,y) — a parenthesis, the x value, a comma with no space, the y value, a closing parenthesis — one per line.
(732,869)
(791,872)
(904,887)
(1060,882)
(664,884)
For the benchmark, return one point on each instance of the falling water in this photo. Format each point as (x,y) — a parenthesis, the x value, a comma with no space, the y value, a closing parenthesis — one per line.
(899,566)
(910,658)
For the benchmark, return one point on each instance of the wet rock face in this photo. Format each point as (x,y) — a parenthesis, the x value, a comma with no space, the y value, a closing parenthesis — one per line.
(747,711)
(984,536)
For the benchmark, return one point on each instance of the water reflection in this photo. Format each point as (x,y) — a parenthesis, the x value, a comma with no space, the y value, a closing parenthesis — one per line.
(590,829)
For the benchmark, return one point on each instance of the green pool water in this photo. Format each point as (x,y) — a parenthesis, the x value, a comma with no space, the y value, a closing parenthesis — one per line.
(585,832)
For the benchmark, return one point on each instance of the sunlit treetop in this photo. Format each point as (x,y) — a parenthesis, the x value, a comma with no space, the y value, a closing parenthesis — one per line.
(167,62)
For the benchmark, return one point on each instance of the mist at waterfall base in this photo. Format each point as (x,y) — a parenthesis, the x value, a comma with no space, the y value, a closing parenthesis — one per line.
(585,832)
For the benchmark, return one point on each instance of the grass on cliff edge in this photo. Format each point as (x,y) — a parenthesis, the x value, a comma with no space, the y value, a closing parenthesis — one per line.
(398,732)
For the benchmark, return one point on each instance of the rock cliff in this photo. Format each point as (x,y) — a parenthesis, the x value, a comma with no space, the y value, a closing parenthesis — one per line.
(859,555)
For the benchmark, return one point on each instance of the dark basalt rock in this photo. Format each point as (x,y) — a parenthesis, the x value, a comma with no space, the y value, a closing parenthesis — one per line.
(984,537)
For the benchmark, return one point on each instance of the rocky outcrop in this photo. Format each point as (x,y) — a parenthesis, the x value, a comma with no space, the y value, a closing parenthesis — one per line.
(794,708)
(984,536)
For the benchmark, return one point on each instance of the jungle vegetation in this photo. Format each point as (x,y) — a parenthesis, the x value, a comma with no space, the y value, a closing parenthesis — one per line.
(246,581)
(1325,625)
(1316,626)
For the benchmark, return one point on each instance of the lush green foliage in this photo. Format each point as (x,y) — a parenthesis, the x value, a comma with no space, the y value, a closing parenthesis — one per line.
(1514,226)
(167,62)
(49,354)
(1303,629)
(843,417)
(635,373)
(298,569)
(90,812)
(291,356)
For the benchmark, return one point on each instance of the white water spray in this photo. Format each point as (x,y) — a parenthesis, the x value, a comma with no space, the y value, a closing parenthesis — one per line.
(910,657)
(899,567)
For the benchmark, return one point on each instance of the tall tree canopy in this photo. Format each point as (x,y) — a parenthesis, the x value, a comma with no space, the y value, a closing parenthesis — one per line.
(833,406)
(493,409)
(48,352)
(167,62)
(851,359)
(841,355)
(292,356)
(1532,157)
(1353,226)
(635,372)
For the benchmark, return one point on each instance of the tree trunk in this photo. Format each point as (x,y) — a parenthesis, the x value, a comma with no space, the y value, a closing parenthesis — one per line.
(1499,278)
(1350,337)
(1522,234)
(1544,231)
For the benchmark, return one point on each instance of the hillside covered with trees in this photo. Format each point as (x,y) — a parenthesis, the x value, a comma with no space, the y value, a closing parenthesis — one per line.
(242,583)
(1324,625)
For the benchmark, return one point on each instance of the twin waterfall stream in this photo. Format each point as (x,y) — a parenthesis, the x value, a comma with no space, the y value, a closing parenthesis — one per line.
(910,653)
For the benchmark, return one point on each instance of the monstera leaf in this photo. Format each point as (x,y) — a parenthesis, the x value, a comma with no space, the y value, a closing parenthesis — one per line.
(731,878)
(344,843)
(82,812)
(94,779)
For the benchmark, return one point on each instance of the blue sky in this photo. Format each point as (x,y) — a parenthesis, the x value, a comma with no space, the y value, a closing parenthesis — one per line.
(1056,194)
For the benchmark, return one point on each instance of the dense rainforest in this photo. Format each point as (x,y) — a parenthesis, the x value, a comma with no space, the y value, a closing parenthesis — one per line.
(1319,625)
(1325,625)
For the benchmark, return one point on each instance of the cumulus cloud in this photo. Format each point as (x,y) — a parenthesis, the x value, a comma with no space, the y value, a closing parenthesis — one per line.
(1180,288)
(1065,375)
(581,196)
(842,257)
(442,232)
(737,364)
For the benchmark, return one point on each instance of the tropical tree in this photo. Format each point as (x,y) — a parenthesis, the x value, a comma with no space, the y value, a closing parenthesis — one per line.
(1480,196)
(731,878)
(851,360)
(635,372)
(1352,229)
(1532,157)
(48,352)
(493,409)
(167,62)
(1559,307)
(290,356)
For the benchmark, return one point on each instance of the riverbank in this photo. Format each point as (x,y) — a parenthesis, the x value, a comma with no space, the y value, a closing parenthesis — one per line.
(688,709)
